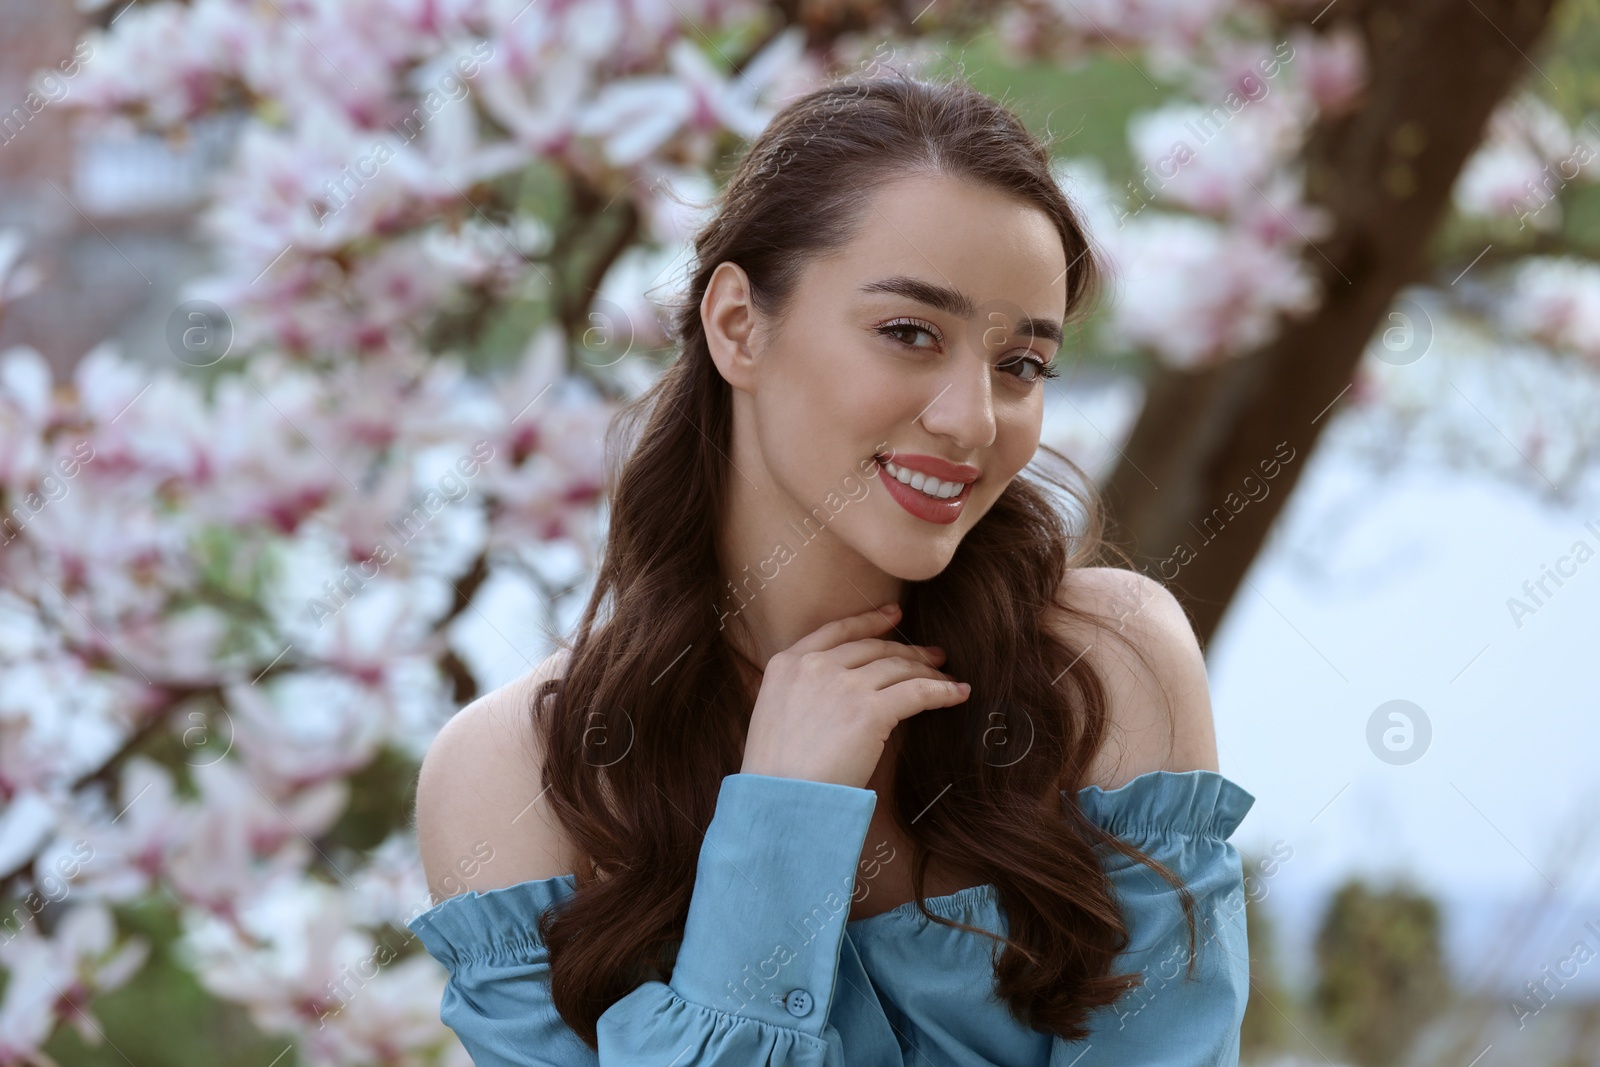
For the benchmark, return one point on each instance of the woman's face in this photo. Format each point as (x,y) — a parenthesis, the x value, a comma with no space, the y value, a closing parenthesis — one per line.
(923,340)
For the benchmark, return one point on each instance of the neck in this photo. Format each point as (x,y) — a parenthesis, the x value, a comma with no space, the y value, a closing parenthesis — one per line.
(779,587)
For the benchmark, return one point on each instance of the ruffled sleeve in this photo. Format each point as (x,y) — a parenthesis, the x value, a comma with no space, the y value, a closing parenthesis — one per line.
(497,999)
(753,979)
(1182,819)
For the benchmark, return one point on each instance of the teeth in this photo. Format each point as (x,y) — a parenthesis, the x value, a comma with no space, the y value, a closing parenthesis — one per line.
(929,485)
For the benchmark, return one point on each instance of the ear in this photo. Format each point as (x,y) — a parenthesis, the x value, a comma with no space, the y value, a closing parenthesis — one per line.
(728,317)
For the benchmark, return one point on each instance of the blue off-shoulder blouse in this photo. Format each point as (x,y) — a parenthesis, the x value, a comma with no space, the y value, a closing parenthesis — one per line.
(770,970)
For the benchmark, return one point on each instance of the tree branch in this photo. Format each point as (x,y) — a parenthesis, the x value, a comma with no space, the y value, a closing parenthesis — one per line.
(1384,171)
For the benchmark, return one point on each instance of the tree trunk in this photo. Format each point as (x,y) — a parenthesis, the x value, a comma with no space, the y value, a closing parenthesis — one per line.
(1179,497)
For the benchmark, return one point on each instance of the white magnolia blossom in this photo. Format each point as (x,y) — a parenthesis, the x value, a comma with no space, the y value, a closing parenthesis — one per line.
(1194,290)
(1225,287)
(1528,156)
(1478,398)
(1330,68)
(1173,28)
(54,977)
(16,277)
(1209,159)
(294,954)
(1556,301)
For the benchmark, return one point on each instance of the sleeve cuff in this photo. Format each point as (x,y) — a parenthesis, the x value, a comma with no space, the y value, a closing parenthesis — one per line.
(771,899)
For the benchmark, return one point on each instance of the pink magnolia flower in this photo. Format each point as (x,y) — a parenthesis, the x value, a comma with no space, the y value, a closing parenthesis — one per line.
(120,854)
(1556,300)
(25,413)
(1331,66)
(54,977)
(1210,158)
(17,277)
(241,836)
(1529,155)
(1195,292)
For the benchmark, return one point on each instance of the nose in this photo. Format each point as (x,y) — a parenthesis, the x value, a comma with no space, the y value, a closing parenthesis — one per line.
(962,408)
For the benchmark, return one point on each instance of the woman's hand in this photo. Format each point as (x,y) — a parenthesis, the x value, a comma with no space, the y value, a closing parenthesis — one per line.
(829,702)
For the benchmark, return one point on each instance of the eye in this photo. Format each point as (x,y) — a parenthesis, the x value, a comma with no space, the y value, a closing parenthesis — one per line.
(1041,368)
(909,326)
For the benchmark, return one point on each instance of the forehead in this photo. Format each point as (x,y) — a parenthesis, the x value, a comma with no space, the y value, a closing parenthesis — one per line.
(957,234)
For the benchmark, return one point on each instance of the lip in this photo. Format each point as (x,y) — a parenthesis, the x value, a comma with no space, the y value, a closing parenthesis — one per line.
(941,469)
(922,505)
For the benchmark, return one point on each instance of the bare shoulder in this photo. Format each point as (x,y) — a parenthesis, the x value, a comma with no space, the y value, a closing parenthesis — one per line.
(1160,703)
(479,826)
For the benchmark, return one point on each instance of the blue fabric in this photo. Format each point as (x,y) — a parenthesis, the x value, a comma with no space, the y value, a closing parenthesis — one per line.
(769,971)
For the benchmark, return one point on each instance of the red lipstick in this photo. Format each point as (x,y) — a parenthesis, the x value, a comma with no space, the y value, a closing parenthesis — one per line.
(920,504)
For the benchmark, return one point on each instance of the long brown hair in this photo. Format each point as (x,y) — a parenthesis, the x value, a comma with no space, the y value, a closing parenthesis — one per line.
(650,713)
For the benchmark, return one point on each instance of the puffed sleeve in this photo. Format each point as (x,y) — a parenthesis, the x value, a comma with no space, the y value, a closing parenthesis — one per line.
(753,980)
(1184,820)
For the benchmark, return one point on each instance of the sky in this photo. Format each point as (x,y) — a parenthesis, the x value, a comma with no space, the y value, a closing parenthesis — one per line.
(1395,588)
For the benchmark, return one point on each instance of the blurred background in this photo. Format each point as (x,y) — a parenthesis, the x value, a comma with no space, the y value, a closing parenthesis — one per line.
(276,275)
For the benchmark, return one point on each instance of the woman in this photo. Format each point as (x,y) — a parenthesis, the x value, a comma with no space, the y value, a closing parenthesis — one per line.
(669,834)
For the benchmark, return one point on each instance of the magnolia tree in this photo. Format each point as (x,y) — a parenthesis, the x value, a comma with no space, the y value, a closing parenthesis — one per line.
(234,584)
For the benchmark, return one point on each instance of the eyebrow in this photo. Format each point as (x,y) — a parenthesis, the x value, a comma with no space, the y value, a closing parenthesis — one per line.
(957,303)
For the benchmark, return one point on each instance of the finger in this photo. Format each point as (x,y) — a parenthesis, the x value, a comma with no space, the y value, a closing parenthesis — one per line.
(830,635)
(919,694)
(882,673)
(855,654)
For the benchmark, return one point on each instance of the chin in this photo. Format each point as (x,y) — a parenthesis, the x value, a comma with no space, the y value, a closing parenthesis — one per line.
(915,565)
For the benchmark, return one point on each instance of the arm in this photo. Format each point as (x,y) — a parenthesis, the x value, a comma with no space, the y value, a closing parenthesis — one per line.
(1184,820)
(772,893)
(754,979)
(1155,783)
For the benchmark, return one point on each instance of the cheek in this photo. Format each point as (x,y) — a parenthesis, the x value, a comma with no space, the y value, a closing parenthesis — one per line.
(822,371)
(1017,434)
(815,429)
(856,401)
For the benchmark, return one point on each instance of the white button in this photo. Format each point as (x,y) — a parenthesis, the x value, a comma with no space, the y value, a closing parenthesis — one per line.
(798,1003)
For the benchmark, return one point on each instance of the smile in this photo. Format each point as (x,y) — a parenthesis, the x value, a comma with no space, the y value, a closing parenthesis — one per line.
(923,483)
(920,494)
